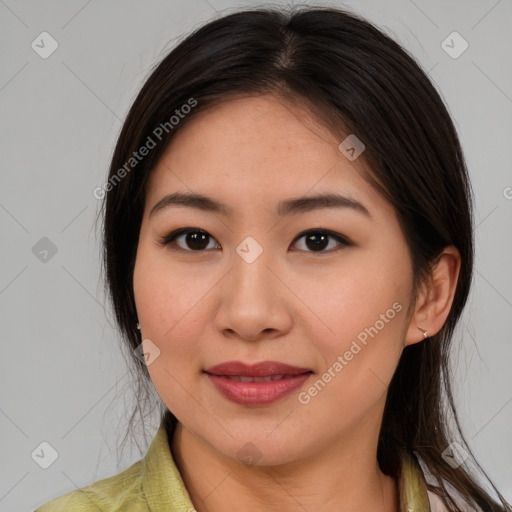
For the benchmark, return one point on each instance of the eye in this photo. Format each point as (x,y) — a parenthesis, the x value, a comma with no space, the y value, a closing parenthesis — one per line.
(318,240)
(195,237)
(196,240)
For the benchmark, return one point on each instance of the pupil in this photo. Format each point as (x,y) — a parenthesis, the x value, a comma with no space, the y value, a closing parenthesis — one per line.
(197,238)
(318,241)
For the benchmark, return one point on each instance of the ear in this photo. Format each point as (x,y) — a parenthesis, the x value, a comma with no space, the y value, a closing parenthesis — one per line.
(435,298)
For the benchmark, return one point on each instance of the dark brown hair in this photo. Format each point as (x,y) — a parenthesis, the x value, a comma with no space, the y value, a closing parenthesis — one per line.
(357,80)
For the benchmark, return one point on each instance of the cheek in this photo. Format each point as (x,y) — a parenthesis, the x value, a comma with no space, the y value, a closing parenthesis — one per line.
(359,351)
(160,291)
(361,314)
(164,299)
(170,306)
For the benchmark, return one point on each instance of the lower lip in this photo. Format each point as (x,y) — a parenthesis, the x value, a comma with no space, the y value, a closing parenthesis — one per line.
(257,393)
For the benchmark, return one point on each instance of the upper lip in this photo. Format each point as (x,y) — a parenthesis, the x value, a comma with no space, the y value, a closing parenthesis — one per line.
(262,369)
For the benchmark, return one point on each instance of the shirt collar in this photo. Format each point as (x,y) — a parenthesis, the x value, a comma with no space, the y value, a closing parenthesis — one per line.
(412,485)
(161,480)
(165,490)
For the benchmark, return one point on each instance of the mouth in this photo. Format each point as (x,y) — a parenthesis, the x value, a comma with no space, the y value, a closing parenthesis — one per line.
(268,378)
(256,385)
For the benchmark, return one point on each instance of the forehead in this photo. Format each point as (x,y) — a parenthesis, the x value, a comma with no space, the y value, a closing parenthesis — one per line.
(256,150)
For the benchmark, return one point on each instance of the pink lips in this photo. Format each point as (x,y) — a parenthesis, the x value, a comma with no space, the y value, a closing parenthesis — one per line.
(256,385)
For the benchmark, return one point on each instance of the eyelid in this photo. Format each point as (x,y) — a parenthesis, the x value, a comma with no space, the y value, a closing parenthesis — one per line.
(341,239)
(168,239)
(333,234)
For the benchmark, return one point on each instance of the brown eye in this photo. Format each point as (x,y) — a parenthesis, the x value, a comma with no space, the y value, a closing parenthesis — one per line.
(192,239)
(318,240)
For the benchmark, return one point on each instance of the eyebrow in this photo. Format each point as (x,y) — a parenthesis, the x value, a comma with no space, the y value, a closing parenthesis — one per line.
(288,206)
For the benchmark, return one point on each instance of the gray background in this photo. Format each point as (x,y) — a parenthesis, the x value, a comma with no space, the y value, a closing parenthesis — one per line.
(63,378)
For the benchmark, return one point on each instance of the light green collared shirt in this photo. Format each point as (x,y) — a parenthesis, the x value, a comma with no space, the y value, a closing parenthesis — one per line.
(154,484)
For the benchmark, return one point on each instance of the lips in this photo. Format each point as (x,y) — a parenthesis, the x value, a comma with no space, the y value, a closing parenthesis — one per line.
(256,385)
(263,369)
(243,378)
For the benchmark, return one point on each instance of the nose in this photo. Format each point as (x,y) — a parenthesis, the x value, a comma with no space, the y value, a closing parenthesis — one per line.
(254,302)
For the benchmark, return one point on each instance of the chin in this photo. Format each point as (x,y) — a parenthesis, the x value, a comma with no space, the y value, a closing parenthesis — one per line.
(261,447)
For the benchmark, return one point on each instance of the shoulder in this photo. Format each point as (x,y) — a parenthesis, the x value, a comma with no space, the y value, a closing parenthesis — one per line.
(111,494)
(153,481)
(434,492)
(437,505)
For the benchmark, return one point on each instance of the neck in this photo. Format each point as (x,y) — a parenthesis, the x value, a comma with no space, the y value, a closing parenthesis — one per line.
(342,477)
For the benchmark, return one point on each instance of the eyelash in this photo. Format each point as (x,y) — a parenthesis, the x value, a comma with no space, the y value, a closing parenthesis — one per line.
(345,242)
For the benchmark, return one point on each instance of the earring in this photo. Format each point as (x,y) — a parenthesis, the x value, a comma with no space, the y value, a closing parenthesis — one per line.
(425,333)
(138,326)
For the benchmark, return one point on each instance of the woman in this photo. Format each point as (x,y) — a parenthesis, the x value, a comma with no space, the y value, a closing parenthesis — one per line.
(288,248)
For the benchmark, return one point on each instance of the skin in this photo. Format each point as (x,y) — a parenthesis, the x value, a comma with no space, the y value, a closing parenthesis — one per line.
(292,304)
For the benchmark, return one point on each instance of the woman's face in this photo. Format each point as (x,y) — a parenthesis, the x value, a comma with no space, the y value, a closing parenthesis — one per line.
(252,287)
